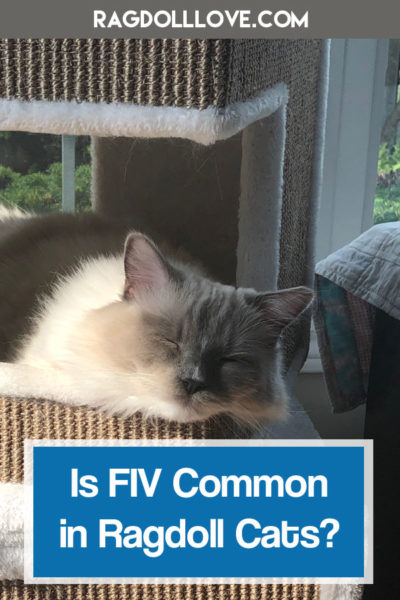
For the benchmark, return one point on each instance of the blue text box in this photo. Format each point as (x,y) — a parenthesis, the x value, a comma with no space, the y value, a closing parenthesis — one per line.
(238,544)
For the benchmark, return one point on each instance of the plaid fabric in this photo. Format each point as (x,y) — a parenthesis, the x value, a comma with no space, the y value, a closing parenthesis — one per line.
(344,325)
(352,284)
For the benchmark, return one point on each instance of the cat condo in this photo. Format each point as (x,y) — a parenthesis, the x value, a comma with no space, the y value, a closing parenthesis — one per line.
(217,144)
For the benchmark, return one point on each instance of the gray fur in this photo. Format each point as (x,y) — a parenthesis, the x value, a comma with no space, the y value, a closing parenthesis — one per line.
(34,253)
(223,342)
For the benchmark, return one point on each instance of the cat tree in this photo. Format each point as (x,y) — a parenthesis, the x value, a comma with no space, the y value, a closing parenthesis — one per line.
(245,206)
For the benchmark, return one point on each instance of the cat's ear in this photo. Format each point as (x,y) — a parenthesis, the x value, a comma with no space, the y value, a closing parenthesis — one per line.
(146,270)
(279,309)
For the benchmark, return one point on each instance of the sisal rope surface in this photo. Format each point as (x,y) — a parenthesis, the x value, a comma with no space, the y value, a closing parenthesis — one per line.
(16,590)
(258,64)
(187,73)
(36,419)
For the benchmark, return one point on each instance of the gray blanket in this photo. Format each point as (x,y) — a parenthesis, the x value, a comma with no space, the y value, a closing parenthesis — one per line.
(351,285)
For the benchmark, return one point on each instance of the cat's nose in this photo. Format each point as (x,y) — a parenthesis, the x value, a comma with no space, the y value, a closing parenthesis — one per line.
(193,385)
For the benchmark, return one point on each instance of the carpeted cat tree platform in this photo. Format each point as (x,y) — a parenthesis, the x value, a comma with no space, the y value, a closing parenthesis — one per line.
(244,206)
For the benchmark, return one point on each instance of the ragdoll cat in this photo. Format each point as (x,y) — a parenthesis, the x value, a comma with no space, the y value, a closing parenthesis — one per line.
(91,314)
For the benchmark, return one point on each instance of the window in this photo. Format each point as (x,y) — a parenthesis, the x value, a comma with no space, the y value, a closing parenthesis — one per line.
(356,111)
(45,173)
(387,195)
(355,114)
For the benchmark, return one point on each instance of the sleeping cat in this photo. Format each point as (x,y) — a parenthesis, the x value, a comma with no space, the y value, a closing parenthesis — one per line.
(91,313)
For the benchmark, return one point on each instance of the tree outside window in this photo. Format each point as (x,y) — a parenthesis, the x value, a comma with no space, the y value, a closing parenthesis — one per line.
(387,196)
(31,172)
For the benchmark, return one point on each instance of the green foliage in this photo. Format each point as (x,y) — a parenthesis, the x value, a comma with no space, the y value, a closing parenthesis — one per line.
(41,191)
(83,182)
(387,204)
(387,196)
(6,176)
(389,159)
(31,171)
(31,152)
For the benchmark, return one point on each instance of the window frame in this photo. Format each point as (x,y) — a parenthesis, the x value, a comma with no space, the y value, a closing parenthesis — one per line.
(68,160)
(352,137)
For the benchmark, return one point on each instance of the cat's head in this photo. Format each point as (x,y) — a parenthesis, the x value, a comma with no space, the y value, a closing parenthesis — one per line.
(207,348)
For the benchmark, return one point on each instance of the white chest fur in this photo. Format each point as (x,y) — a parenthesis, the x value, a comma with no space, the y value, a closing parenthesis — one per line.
(95,283)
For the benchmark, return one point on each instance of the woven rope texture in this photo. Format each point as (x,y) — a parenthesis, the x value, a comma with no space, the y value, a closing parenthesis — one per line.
(188,73)
(35,419)
(41,419)
(16,590)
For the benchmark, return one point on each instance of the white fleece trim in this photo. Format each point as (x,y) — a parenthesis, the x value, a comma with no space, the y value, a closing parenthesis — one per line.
(260,203)
(131,120)
(22,381)
(340,591)
(11,531)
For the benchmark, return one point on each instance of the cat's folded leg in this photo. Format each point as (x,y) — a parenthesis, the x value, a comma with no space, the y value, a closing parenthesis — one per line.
(26,381)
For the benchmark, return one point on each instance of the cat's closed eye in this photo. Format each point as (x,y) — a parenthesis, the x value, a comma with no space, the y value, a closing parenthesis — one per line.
(172,347)
(228,359)
(234,360)
(171,343)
